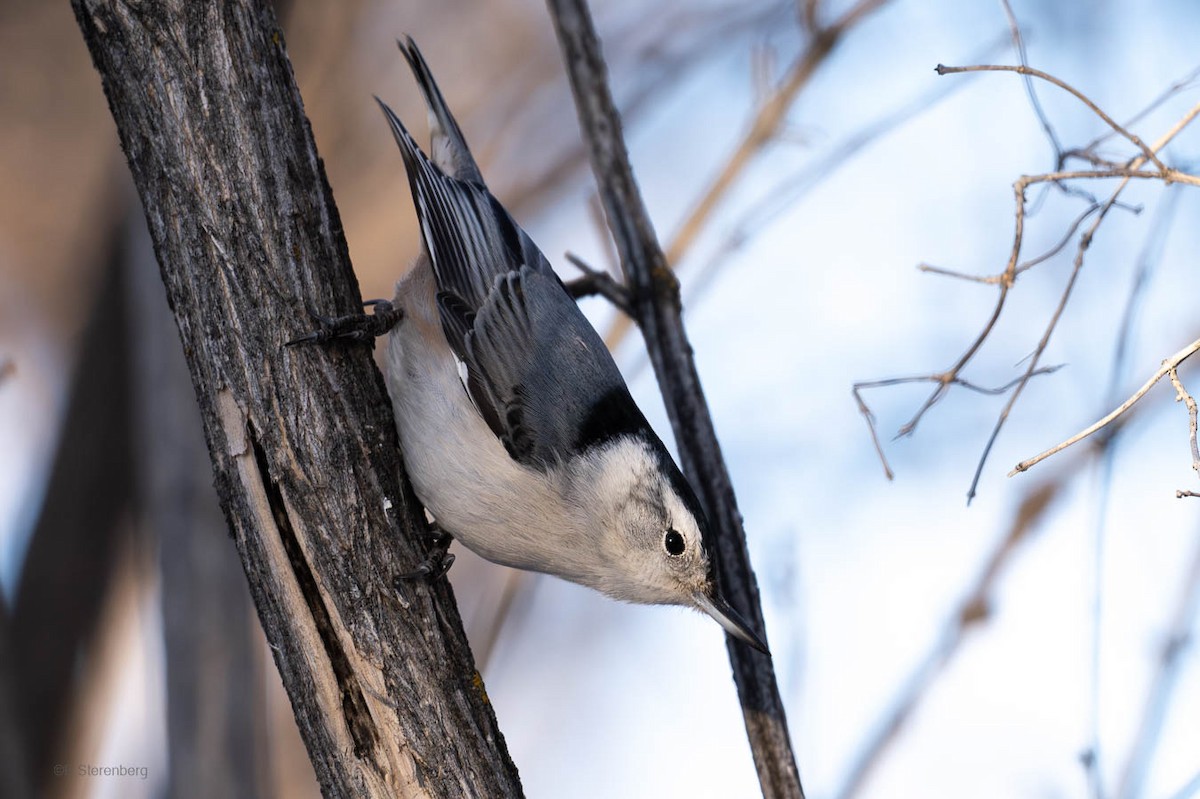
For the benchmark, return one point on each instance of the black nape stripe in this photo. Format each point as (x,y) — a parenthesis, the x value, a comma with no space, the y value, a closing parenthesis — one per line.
(613,416)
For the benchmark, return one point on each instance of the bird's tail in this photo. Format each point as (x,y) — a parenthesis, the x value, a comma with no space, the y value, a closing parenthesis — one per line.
(447,147)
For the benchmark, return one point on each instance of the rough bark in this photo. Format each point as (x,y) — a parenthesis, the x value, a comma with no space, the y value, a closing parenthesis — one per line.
(654,296)
(305,454)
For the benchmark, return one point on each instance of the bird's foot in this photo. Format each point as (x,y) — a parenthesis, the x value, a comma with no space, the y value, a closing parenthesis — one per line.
(437,562)
(353,327)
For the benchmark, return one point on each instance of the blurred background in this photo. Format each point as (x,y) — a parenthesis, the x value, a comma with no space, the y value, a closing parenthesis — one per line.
(1036,642)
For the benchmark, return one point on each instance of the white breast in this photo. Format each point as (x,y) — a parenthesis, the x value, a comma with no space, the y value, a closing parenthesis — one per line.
(498,508)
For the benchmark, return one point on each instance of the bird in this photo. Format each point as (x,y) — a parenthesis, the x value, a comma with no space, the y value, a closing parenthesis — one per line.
(518,432)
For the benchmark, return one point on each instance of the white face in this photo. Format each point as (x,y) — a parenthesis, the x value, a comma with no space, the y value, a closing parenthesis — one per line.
(649,540)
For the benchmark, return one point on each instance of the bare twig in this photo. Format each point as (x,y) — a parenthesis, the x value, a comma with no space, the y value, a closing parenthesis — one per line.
(1086,152)
(596,282)
(1168,366)
(941,379)
(1181,395)
(1021,69)
(870,419)
(1022,267)
(1084,242)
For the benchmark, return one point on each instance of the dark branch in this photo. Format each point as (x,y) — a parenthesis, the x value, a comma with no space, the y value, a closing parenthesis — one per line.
(596,282)
(654,292)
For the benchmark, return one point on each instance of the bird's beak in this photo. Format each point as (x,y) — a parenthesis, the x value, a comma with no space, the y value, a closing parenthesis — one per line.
(729,618)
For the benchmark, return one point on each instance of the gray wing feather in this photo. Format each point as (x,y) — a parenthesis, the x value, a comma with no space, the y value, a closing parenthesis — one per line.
(537,371)
(543,365)
(469,236)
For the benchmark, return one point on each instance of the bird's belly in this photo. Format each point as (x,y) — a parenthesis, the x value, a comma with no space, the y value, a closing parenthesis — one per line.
(501,510)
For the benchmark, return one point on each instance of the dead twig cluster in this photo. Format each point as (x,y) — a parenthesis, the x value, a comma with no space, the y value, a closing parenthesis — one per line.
(1145,164)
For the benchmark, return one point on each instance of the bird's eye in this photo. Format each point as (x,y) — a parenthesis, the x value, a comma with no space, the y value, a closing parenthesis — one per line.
(674,543)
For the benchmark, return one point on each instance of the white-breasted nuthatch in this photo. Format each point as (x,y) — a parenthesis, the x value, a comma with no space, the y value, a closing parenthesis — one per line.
(517,429)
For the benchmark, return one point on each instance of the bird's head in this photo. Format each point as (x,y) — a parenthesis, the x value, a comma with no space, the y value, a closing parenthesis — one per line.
(651,534)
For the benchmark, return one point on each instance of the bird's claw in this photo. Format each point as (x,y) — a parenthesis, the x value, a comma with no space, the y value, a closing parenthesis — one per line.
(353,327)
(432,568)
(437,562)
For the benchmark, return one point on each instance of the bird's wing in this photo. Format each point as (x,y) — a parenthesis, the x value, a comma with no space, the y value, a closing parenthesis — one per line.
(469,236)
(537,371)
(545,371)
(447,147)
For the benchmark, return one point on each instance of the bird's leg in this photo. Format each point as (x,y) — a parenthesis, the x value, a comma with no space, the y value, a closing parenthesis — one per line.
(354,327)
(437,562)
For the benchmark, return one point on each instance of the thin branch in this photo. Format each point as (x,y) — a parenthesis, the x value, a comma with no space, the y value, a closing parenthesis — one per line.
(1181,395)
(1021,69)
(1168,365)
(1084,242)
(1176,87)
(870,419)
(1062,243)
(993,280)
(987,280)
(941,379)
(655,292)
(596,282)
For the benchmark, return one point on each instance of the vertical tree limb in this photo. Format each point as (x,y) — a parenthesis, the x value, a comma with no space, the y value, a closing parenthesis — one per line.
(304,450)
(655,299)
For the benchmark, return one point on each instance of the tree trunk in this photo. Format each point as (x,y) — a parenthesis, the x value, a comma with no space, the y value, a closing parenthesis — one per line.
(305,454)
